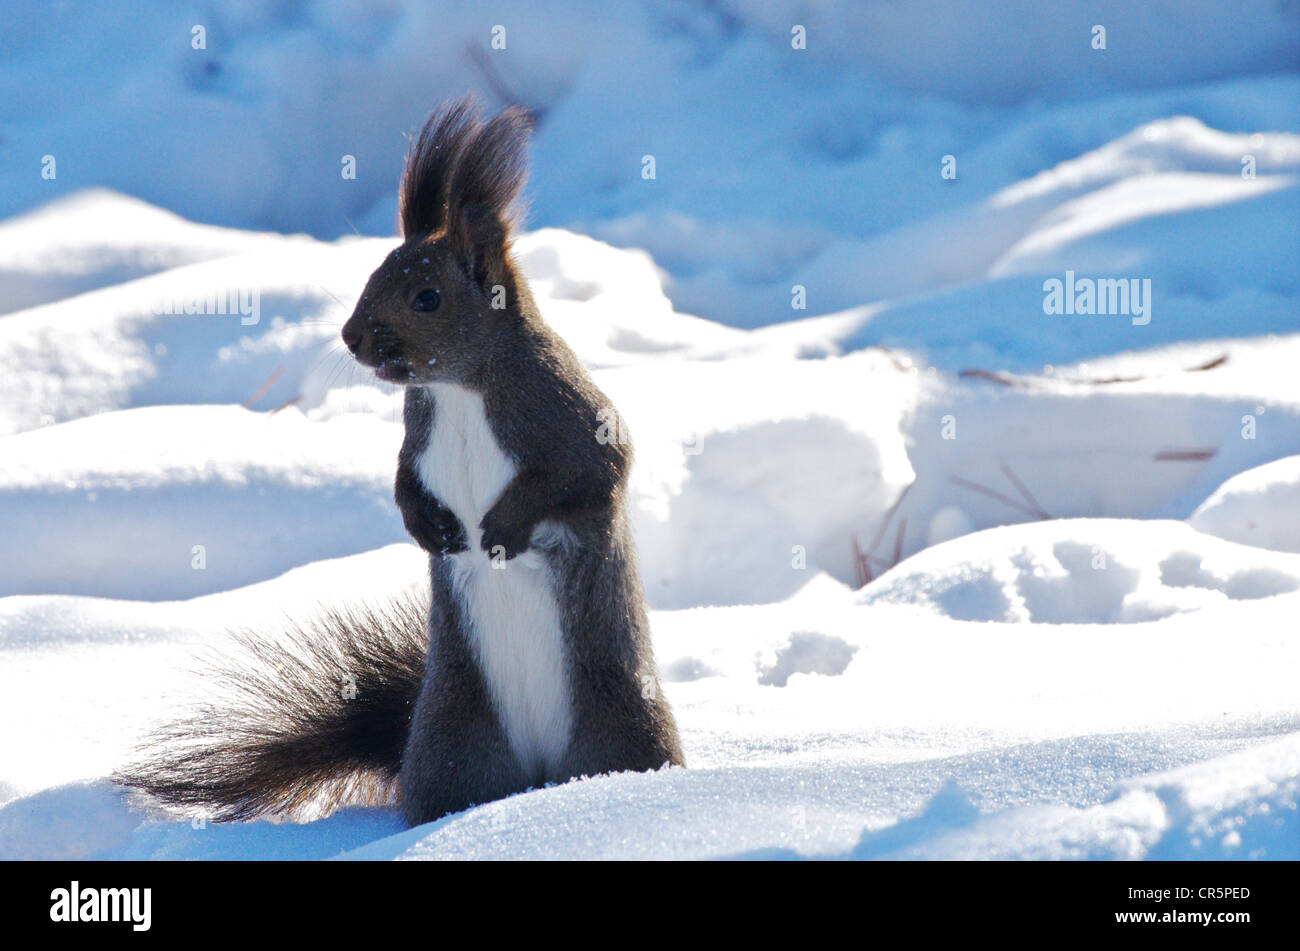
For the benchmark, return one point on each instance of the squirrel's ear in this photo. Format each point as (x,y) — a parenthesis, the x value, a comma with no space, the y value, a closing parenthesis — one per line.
(484,201)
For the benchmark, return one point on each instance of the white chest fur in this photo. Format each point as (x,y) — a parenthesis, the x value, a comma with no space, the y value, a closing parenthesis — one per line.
(511,606)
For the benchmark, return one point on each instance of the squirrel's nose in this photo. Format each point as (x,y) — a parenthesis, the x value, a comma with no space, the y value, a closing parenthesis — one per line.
(352,338)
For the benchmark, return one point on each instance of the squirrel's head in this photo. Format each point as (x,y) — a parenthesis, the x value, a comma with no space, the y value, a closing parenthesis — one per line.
(436,307)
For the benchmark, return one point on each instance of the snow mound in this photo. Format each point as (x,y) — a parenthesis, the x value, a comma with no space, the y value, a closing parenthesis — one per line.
(808,652)
(96,237)
(1260,506)
(1083,571)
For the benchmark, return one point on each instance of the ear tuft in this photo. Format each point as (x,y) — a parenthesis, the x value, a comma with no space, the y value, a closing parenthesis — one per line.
(464,176)
(430,166)
(492,170)
(484,205)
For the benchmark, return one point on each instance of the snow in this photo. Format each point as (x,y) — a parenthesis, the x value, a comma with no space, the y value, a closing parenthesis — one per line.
(1080,534)
(1255,507)
(1083,571)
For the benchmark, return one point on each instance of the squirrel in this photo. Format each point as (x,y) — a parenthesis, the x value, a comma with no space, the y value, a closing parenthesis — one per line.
(533,663)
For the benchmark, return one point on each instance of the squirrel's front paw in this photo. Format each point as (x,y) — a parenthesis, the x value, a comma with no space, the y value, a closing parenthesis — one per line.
(436,530)
(500,533)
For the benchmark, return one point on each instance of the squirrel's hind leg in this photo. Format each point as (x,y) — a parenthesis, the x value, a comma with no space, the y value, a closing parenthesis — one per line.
(457,754)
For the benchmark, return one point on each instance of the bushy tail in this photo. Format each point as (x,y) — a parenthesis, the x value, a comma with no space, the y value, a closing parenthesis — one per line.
(307,721)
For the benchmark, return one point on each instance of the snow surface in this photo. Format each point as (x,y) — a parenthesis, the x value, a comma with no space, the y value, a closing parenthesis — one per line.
(1081,534)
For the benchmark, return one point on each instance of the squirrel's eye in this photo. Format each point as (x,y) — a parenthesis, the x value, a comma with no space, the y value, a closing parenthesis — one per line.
(426,301)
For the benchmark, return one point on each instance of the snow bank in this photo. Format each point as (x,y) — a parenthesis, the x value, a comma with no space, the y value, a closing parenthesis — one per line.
(755,468)
(173,501)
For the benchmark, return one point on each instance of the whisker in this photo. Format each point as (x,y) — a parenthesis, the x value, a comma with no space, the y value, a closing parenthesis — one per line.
(331,294)
(332,351)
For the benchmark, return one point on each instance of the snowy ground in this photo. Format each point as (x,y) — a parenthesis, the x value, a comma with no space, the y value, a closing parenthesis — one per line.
(1079,635)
